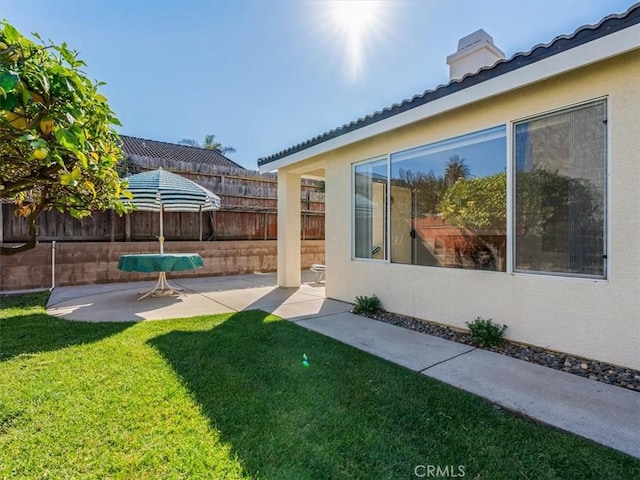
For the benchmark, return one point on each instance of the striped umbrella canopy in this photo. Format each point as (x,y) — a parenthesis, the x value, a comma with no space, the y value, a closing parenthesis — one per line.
(160,190)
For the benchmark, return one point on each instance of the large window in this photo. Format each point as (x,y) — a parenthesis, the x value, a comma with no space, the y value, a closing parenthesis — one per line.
(369,209)
(449,203)
(559,201)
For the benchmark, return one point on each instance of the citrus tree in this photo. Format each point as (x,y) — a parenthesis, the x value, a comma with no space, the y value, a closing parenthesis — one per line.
(58,148)
(476,203)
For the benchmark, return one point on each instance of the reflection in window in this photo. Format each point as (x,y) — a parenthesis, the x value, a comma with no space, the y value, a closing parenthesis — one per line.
(448,203)
(370,199)
(560,192)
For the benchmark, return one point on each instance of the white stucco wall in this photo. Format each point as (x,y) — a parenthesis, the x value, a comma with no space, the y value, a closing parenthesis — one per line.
(593,318)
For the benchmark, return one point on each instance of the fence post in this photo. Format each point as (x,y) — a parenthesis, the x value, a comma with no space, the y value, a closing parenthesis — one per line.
(113,225)
(304,226)
(53,265)
(127,227)
(266,225)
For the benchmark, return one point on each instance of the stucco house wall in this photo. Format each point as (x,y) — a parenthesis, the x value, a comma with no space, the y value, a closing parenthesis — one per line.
(591,318)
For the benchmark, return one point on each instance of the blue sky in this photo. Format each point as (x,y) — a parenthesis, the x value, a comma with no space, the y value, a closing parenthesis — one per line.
(265,75)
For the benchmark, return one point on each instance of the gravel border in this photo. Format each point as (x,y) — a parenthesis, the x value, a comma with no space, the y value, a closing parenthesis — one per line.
(584,367)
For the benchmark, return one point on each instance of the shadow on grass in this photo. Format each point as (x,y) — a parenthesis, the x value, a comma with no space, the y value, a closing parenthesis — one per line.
(284,420)
(351,415)
(26,329)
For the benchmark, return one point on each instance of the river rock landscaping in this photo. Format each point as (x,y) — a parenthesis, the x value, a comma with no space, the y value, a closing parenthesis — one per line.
(584,367)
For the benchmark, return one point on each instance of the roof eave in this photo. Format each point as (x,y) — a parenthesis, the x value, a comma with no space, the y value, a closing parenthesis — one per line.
(595,51)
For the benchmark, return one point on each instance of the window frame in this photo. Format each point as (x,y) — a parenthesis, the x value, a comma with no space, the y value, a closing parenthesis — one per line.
(510,128)
(494,131)
(511,194)
(352,207)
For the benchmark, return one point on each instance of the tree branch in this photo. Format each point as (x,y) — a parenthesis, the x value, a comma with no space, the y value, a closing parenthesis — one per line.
(32,242)
(43,174)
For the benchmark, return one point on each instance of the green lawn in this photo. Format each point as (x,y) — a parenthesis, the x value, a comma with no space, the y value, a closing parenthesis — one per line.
(227,396)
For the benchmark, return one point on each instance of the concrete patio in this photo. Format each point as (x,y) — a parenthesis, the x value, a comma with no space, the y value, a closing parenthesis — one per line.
(603,413)
(117,302)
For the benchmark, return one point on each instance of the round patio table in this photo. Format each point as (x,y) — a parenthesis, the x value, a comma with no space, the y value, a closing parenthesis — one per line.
(160,262)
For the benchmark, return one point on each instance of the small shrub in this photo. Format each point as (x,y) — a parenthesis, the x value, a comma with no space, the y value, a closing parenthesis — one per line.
(366,304)
(485,333)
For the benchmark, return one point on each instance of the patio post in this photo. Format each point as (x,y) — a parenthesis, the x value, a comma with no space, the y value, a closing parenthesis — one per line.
(288,229)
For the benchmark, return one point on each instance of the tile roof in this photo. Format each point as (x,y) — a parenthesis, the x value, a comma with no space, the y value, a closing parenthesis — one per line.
(587,33)
(171,151)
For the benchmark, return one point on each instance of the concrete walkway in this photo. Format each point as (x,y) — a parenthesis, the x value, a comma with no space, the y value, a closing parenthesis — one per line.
(606,414)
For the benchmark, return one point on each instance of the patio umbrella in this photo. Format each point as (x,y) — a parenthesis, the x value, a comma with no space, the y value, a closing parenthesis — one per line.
(160,190)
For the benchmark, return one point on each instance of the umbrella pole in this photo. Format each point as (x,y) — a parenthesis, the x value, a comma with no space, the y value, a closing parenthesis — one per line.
(161,237)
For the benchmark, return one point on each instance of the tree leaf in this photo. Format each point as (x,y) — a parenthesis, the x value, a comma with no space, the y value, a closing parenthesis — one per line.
(26,96)
(68,180)
(9,102)
(67,139)
(8,80)
(91,188)
(83,159)
(10,34)
(44,82)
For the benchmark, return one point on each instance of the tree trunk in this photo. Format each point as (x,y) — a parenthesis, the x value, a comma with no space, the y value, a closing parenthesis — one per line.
(32,242)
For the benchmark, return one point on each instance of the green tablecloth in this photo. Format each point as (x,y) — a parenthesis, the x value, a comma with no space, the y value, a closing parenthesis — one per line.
(155,262)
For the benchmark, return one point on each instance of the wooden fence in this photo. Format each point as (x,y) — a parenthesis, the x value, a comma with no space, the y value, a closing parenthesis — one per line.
(249,211)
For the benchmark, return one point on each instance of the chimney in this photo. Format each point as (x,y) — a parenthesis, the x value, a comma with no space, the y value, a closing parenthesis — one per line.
(474,52)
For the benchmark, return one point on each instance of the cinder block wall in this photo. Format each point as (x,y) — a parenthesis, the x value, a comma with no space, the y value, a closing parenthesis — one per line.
(31,269)
(80,263)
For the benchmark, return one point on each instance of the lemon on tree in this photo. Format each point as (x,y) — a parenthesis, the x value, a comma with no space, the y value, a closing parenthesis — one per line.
(41,153)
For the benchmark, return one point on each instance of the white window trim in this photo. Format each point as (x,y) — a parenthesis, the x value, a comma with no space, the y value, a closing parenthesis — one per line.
(446,142)
(510,170)
(463,140)
(511,244)
(352,207)
(510,227)
(608,199)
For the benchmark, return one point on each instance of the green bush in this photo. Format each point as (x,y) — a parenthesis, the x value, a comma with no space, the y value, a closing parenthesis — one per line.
(366,304)
(485,333)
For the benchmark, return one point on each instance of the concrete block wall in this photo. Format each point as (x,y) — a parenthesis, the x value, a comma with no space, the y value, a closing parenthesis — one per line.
(26,270)
(79,263)
(312,252)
